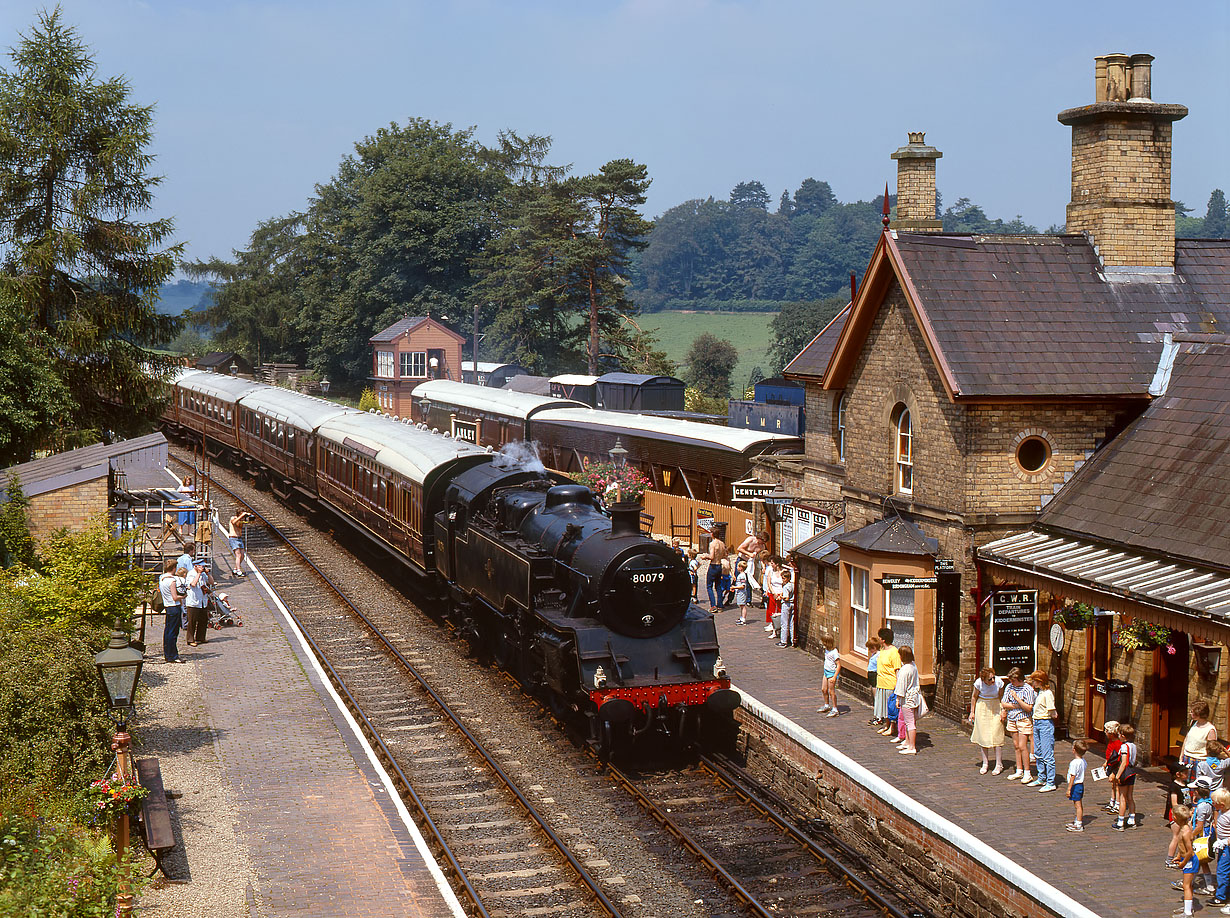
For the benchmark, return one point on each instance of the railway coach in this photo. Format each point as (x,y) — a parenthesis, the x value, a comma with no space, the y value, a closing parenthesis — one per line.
(684,458)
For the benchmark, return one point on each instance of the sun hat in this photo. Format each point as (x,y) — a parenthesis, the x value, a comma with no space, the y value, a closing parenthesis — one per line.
(1203,781)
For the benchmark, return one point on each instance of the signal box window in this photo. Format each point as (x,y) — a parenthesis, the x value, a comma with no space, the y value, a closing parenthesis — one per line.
(414,364)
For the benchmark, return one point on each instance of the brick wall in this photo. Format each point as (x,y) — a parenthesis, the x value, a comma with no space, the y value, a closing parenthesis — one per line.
(72,507)
(1121,190)
(935,874)
(916,190)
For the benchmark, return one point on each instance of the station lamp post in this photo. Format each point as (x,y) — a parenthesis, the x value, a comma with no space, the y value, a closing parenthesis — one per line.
(119,669)
(425,411)
(234,369)
(619,455)
(324,385)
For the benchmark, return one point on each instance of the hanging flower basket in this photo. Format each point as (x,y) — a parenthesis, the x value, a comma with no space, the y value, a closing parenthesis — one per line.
(1076,616)
(111,797)
(1143,635)
(613,483)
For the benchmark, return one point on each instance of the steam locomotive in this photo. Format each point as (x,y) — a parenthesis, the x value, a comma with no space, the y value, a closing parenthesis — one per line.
(581,607)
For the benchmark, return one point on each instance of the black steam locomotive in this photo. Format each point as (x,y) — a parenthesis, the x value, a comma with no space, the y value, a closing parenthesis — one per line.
(583,609)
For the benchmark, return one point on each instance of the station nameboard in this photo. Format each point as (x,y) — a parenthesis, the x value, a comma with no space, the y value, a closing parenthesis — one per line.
(908,583)
(1014,630)
(465,430)
(945,566)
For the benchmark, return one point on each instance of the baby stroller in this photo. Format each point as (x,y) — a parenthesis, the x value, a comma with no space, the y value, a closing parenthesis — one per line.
(221,614)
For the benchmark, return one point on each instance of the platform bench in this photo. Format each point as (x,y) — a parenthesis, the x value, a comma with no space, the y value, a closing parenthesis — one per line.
(155,819)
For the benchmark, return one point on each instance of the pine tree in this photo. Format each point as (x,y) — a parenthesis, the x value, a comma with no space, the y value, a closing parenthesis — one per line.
(76,261)
(1216,219)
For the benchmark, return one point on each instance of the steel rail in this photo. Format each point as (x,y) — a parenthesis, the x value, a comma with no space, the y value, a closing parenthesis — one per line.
(586,878)
(688,841)
(740,782)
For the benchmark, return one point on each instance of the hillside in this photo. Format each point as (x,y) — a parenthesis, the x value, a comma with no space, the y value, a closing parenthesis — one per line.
(184,295)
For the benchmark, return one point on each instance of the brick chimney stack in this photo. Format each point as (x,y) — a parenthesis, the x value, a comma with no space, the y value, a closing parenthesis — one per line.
(1121,165)
(916,186)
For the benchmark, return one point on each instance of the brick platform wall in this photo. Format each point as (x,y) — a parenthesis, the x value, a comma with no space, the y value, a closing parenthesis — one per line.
(936,874)
(72,507)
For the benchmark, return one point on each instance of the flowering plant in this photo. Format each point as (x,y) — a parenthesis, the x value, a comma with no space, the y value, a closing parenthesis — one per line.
(1076,616)
(612,482)
(111,797)
(1143,635)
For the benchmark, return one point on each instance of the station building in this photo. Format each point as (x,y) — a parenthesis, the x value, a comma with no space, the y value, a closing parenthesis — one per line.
(967,382)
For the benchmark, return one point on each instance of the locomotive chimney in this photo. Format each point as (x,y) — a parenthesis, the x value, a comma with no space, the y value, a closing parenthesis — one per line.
(625,519)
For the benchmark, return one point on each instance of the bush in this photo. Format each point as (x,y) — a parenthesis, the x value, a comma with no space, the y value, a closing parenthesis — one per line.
(368,400)
(57,733)
(48,866)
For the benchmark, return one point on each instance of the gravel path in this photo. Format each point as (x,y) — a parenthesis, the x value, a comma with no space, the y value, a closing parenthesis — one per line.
(172,724)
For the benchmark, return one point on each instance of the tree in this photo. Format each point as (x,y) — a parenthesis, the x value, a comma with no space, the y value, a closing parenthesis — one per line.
(637,350)
(1216,219)
(750,194)
(797,324)
(813,198)
(78,263)
(33,398)
(558,275)
(710,362)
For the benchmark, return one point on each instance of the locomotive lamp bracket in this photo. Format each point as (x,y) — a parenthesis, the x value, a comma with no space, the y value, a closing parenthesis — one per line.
(599,678)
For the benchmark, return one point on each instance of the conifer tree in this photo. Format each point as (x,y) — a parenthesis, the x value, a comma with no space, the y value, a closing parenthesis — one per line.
(74,255)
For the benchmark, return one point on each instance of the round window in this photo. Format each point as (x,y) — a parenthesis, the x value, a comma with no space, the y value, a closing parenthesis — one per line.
(1033,454)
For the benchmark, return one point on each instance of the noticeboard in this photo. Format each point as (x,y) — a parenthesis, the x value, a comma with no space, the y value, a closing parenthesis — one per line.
(1014,630)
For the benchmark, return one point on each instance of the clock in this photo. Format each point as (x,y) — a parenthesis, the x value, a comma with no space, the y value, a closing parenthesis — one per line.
(1057,637)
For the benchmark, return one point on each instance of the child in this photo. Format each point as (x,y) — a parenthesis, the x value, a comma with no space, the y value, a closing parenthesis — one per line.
(693,571)
(1044,714)
(1111,729)
(1176,796)
(873,662)
(1200,822)
(1076,785)
(832,667)
(743,592)
(787,607)
(1127,779)
(1221,804)
(1187,856)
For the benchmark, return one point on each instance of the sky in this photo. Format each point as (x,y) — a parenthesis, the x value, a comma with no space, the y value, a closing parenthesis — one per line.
(257,102)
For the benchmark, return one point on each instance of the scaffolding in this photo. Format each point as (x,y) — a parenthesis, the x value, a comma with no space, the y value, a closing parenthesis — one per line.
(162,521)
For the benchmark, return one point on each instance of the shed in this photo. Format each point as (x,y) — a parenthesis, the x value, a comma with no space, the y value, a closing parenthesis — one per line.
(576,386)
(639,392)
(223,361)
(533,385)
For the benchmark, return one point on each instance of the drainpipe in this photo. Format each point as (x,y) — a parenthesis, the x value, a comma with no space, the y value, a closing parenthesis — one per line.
(975,620)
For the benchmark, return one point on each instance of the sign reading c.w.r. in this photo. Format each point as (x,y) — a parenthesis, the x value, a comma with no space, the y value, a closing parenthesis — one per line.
(1014,630)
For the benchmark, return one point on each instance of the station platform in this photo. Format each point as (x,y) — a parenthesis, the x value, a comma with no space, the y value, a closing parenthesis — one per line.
(1112,874)
(279,809)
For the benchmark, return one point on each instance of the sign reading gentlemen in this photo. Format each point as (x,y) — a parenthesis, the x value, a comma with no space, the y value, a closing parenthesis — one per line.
(1014,630)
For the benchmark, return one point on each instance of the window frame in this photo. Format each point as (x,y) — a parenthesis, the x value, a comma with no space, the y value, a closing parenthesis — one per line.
(856,610)
(904,464)
(416,361)
(385,364)
(841,428)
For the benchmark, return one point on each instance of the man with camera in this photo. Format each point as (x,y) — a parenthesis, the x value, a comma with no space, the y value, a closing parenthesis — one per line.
(234,535)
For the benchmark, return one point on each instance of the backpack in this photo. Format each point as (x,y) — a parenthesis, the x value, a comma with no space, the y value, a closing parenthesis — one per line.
(157,604)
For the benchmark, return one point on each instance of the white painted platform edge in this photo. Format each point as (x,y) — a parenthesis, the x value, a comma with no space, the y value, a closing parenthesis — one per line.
(446,891)
(1030,884)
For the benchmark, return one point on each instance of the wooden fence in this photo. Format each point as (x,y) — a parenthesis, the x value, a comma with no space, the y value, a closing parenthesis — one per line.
(677,516)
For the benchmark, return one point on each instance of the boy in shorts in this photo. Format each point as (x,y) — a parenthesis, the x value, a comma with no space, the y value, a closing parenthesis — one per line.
(1076,785)
(1187,855)
(1111,729)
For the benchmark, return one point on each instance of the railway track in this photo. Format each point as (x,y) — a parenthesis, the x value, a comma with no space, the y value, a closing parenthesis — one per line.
(507,856)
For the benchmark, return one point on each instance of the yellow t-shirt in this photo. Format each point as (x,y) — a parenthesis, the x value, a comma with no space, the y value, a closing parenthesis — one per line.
(888,661)
(1044,705)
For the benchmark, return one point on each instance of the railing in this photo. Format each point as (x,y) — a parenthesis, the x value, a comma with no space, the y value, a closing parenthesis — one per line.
(684,513)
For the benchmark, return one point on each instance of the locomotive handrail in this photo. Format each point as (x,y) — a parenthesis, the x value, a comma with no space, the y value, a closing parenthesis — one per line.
(688,646)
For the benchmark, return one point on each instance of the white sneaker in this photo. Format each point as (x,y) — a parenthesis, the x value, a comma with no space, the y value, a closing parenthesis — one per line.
(983,769)
(1016,774)
(768,627)
(833,713)
(823,708)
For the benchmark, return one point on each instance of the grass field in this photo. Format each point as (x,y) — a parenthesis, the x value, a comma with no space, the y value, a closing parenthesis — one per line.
(747,331)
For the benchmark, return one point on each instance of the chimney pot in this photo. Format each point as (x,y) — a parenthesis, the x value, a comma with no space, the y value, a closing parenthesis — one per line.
(1116,77)
(1142,77)
(916,199)
(1099,78)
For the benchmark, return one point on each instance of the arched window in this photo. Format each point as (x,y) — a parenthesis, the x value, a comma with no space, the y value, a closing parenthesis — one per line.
(841,428)
(905,452)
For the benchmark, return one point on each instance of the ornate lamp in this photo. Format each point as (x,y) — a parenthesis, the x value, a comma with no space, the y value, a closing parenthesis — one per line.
(619,455)
(234,369)
(424,409)
(119,669)
(324,385)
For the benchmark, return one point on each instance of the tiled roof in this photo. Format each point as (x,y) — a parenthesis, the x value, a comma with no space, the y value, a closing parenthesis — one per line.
(398,328)
(812,360)
(76,465)
(1038,316)
(1161,485)
(893,535)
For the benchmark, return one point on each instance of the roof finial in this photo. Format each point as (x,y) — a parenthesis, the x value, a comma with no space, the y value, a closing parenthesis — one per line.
(885,212)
